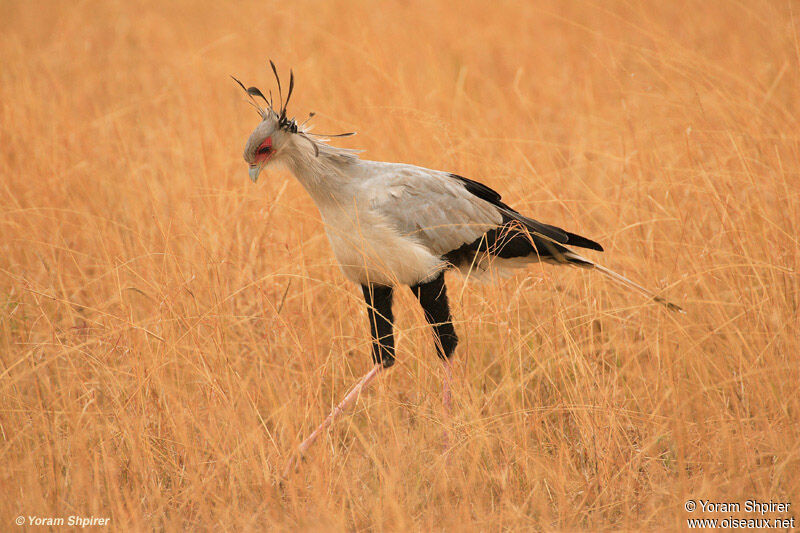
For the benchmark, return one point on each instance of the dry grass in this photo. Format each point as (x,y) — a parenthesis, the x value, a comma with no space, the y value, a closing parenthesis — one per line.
(169,332)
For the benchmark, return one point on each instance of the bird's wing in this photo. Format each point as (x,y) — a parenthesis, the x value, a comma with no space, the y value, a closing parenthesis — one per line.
(432,207)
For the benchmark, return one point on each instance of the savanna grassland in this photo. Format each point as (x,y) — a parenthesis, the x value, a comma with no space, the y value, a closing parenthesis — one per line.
(169,331)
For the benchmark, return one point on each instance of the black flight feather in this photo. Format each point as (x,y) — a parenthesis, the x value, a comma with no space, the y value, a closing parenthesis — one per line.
(550,232)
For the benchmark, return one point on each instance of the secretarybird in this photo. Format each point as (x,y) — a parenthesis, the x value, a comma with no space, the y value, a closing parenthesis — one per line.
(393,224)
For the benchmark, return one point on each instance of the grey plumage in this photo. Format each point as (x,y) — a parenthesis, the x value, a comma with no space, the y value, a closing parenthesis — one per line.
(431,207)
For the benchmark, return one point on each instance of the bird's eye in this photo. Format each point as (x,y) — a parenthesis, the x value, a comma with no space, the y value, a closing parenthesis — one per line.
(264,149)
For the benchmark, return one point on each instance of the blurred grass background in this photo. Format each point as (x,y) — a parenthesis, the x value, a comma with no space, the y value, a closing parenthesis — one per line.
(169,332)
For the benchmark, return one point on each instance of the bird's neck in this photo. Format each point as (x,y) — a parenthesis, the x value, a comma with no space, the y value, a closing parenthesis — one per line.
(327,174)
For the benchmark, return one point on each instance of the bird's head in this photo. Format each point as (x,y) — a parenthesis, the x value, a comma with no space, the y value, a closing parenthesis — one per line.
(266,144)
(273,138)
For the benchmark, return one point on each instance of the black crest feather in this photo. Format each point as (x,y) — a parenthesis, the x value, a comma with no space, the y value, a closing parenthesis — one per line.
(289,94)
(284,122)
(253,91)
(240,83)
(278,79)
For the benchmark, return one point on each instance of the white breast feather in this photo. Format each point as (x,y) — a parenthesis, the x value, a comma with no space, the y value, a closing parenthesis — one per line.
(403,219)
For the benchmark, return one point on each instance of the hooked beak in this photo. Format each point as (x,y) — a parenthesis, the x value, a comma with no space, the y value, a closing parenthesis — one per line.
(255,170)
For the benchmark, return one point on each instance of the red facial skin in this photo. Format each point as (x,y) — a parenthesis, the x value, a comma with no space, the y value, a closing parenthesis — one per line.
(263,156)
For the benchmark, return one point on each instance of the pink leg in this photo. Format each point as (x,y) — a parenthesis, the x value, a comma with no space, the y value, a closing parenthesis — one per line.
(351,397)
(447,400)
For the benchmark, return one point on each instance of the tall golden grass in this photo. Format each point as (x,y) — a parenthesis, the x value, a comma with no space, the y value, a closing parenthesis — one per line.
(169,332)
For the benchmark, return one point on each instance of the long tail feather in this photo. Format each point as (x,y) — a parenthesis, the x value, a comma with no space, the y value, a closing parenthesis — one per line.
(581,261)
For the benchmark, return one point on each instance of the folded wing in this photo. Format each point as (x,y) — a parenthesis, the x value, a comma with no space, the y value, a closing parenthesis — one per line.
(450,214)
